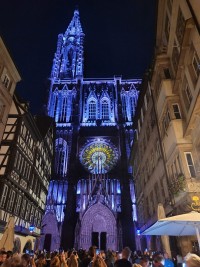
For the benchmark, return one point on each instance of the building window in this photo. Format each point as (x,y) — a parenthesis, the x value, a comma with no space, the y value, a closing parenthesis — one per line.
(190,164)
(175,56)
(12,199)
(4,196)
(32,214)
(180,26)
(23,206)
(158,152)
(92,110)
(132,105)
(176,110)
(104,109)
(196,64)
(166,121)
(61,156)
(167,27)
(18,205)
(2,110)
(6,81)
(167,73)
(187,96)
(28,208)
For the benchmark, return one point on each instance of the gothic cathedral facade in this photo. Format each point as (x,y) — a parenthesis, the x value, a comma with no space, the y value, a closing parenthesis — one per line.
(91,194)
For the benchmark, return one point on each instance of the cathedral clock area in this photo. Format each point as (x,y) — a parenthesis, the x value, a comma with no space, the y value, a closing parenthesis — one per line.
(91,195)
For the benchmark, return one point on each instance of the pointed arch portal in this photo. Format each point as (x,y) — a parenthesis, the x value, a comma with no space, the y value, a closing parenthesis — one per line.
(98,227)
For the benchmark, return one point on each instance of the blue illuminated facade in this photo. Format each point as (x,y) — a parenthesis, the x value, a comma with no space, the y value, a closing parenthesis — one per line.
(94,133)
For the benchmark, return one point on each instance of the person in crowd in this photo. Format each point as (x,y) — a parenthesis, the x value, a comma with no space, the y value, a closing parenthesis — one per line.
(98,261)
(124,262)
(192,260)
(48,259)
(3,256)
(138,256)
(144,262)
(41,261)
(89,258)
(27,260)
(179,260)
(168,262)
(64,259)
(136,265)
(55,261)
(158,261)
(110,258)
(9,254)
(14,261)
(73,260)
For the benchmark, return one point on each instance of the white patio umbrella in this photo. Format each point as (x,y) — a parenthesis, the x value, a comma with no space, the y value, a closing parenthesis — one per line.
(7,240)
(180,225)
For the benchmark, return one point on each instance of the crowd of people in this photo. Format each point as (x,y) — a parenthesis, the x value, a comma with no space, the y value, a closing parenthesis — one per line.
(94,258)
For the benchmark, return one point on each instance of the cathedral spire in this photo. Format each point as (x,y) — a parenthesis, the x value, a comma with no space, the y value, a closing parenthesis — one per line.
(68,60)
(74,27)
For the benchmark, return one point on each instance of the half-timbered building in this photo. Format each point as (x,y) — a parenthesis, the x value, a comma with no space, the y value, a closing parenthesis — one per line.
(9,77)
(25,168)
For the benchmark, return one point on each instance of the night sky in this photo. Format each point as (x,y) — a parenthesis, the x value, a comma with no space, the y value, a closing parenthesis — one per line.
(119,39)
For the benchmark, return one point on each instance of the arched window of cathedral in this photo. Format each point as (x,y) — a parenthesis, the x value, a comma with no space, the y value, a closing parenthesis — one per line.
(132,106)
(64,108)
(55,103)
(69,57)
(124,100)
(61,157)
(92,109)
(105,109)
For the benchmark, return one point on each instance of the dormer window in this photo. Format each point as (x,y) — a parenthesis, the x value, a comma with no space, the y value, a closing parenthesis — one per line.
(6,81)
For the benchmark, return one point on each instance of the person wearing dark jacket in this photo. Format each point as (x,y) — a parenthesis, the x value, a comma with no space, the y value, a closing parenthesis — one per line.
(124,262)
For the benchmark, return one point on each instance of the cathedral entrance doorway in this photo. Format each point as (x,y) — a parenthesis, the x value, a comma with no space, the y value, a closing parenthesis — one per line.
(99,240)
(98,227)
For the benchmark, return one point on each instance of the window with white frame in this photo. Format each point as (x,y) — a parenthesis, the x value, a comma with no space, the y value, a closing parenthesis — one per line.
(11,200)
(28,208)
(18,204)
(190,164)
(32,214)
(176,109)
(92,109)
(23,206)
(4,196)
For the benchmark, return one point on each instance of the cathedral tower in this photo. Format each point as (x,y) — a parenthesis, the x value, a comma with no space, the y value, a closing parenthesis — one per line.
(90,195)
